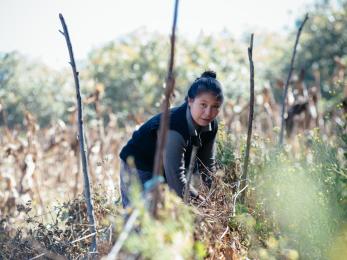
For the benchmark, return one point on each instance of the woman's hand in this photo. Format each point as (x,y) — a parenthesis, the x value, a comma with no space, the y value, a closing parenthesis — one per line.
(200,198)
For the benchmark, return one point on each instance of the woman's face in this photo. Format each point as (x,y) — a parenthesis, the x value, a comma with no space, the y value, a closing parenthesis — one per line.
(204,108)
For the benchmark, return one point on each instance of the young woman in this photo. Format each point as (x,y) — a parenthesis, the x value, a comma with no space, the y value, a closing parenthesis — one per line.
(192,123)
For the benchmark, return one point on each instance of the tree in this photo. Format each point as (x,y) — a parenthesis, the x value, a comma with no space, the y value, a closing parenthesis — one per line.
(31,86)
(133,69)
(323,44)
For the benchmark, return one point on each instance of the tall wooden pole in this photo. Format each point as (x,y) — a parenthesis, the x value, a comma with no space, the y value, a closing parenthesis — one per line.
(164,119)
(288,80)
(250,119)
(83,149)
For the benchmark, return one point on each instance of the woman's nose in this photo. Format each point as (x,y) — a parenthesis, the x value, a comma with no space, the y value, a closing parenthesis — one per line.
(208,112)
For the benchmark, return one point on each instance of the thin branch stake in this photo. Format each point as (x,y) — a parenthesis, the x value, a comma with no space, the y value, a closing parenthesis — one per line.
(234,199)
(123,236)
(288,79)
(164,120)
(189,174)
(82,238)
(250,119)
(81,139)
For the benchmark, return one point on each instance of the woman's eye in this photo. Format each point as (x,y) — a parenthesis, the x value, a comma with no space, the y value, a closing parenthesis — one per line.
(203,105)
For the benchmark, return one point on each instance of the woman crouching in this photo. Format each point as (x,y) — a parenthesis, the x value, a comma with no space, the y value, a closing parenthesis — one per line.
(191,124)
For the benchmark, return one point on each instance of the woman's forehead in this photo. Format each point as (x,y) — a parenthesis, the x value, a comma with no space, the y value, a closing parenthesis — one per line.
(208,97)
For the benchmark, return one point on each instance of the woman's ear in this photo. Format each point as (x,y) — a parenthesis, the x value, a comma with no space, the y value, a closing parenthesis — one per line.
(190,101)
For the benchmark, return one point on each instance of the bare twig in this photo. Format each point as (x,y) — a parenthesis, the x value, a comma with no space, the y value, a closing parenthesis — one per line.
(224,233)
(288,80)
(83,152)
(234,199)
(164,120)
(123,236)
(38,256)
(207,198)
(110,234)
(250,118)
(189,174)
(82,238)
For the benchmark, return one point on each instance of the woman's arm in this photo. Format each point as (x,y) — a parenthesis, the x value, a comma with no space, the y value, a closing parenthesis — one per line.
(174,164)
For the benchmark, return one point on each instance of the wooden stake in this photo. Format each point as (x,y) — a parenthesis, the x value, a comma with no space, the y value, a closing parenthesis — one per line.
(190,172)
(81,139)
(288,80)
(164,119)
(250,120)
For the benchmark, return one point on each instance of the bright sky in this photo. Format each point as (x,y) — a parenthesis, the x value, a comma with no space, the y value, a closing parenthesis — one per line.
(31,26)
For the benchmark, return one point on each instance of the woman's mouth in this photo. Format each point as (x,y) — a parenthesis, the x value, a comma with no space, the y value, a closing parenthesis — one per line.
(206,120)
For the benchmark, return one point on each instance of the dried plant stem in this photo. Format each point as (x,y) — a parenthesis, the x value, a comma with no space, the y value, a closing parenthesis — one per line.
(83,150)
(234,199)
(224,233)
(123,236)
(288,79)
(82,238)
(250,119)
(164,120)
(189,174)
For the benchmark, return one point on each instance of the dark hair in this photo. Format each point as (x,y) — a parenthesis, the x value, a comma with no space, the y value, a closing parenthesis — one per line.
(207,82)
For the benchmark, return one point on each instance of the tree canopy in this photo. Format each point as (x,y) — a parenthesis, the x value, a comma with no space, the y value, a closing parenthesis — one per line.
(132,68)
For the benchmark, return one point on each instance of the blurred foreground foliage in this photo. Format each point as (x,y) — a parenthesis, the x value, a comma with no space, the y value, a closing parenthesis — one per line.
(296,199)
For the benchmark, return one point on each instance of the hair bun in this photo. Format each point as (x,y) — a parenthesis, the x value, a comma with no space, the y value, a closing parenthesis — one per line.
(209,74)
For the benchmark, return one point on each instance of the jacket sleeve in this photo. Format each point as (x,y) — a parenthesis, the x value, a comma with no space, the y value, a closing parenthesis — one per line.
(174,165)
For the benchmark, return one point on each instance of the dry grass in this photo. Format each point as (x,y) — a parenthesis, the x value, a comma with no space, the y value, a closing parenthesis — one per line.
(42,215)
(213,219)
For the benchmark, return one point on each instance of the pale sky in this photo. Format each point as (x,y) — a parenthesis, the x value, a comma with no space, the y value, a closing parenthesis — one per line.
(31,26)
